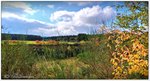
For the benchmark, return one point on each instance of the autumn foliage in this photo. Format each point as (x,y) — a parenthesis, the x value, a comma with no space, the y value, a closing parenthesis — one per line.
(130,55)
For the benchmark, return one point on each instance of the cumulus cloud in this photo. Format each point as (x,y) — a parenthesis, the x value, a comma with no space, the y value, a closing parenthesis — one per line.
(21,5)
(86,15)
(108,12)
(62,16)
(56,30)
(60,28)
(85,20)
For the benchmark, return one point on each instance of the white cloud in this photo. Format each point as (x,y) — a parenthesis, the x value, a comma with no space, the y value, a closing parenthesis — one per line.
(108,12)
(45,31)
(70,22)
(85,20)
(50,6)
(60,29)
(93,15)
(62,16)
(88,15)
(8,15)
(66,28)
(22,5)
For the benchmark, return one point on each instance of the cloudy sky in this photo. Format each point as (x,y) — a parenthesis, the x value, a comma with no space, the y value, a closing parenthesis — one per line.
(55,18)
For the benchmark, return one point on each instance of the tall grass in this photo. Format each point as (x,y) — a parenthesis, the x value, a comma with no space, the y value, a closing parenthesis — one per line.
(97,55)
(17,61)
(61,69)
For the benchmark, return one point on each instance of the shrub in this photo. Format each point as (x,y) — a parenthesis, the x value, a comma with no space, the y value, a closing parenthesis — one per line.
(130,57)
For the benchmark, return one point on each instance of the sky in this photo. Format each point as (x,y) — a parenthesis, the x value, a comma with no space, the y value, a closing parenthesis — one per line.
(56,18)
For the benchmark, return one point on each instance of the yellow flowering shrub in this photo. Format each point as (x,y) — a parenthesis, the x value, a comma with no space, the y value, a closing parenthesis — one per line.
(129,55)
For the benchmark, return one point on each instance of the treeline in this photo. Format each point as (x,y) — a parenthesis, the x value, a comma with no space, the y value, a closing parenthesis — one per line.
(5,36)
(71,38)
(62,38)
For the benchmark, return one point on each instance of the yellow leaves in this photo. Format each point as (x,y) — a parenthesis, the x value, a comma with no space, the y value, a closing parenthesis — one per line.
(130,63)
(113,73)
(113,62)
(119,69)
(129,71)
(138,69)
(118,60)
(119,73)
(135,68)
(124,36)
(116,41)
(125,59)
(136,56)
(144,63)
(136,61)
(108,45)
(134,47)
(144,52)
(129,57)
(137,46)
(144,72)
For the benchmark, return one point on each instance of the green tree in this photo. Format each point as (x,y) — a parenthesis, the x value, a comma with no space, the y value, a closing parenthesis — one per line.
(135,17)
(82,37)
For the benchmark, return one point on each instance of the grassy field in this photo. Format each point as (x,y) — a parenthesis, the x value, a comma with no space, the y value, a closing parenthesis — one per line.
(65,60)
(92,59)
(13,42)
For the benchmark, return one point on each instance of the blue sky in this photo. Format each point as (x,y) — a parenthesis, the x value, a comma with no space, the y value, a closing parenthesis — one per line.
(56,18)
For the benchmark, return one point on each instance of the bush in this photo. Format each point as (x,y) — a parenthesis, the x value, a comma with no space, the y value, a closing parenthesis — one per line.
(130,56)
